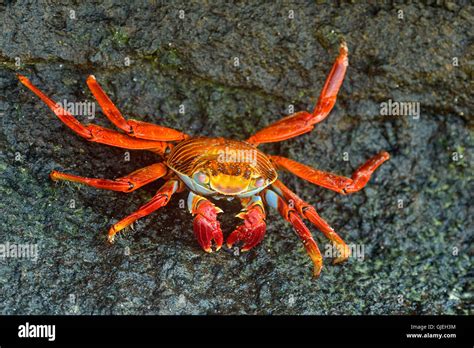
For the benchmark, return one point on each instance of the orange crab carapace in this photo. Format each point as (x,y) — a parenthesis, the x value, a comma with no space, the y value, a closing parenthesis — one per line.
(213,168)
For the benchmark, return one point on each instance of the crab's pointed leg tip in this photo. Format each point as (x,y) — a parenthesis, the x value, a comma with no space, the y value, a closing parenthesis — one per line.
(317,270)
(340,259)
(344,252)
(343,47)
(91,78)
(111,236)
(22,78)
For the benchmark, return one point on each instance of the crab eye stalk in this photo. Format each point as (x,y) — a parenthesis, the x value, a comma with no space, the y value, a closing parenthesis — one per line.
(201,178)
(259,182)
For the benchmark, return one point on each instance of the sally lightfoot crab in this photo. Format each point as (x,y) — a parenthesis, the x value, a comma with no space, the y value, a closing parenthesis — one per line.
(213,168)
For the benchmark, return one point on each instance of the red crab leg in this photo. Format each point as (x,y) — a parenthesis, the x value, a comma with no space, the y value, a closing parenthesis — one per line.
(93,132)
(206,226)
(309,212)
(303,122)
(160,199)
(128,183)
(137,129)
(291,215)
(252,231)
(340,184)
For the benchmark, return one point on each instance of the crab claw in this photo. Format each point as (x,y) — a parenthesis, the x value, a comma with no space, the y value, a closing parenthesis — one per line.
(206,226)
(252,231)
(207,229)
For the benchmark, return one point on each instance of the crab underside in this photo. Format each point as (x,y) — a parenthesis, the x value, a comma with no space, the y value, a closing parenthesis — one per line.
(218,167)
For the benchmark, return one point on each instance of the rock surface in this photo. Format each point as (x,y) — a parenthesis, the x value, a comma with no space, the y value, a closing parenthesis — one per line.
(413,220)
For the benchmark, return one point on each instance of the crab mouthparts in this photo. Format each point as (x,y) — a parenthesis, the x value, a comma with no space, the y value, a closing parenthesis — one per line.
(229,184)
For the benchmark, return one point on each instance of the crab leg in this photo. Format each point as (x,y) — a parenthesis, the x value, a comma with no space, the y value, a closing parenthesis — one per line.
(309,212)
(128,183)
(303,122)
(252,231)
(291,215)
(340,184)
(206,227)
(93,132)
(133,128)
(160,199)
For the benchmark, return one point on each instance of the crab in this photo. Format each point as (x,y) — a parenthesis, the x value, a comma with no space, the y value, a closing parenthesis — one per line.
(214,168)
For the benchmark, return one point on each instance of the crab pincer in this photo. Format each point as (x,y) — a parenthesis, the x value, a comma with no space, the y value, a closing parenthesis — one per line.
(252,231)
(206,227)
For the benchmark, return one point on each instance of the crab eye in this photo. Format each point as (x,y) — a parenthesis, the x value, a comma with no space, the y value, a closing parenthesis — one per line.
(259,182)
(201,178)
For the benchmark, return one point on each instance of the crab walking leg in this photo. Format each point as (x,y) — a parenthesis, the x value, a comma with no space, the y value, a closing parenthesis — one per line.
(340,184)
(252,231)
(133,128)
(309,212)
(160,199)
(206,227)
(96,133)
(291,215)
(303,121)
(128,183)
